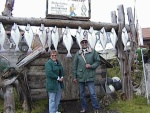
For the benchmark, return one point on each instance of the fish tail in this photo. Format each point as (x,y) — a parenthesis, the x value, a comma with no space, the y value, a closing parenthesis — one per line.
(56,49)
(2,49)
(30,49)
(114,49)
(104,51)
(68,55)
(49,49)
(125,48)
(17,48)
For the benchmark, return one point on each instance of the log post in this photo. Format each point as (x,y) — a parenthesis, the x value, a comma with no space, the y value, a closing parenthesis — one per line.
(8,8)
(114,20)
(121,54)
(73,24)
(132,51)
(113,17)
(25,94)
(9,103)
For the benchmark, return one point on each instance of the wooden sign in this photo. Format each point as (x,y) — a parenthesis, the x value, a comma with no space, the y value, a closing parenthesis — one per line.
(68,9)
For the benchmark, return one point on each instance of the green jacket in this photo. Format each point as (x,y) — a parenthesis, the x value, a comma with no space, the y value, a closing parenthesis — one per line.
(52,71)
(78,68)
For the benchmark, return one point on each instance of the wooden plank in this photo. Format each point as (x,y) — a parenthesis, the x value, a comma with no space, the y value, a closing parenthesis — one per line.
(39,94)
(35,53)
(133,44)
(59,23)
(113,17)
(50,16)
(9,101)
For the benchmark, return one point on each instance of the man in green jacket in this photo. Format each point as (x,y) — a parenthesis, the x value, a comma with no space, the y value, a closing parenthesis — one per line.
(85,62)
(54,81)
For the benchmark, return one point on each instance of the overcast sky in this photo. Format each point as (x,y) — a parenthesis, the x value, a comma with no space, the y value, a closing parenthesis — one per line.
(100,9)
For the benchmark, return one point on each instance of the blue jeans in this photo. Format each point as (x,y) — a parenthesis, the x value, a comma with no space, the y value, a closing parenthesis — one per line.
(54,100)
(92,92)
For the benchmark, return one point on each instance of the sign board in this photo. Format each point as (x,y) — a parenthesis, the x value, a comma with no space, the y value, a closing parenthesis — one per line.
(70,8)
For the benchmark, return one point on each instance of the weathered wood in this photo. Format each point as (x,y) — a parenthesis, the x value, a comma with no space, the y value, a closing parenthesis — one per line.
(66,17)
(37,85)
(38,94)
(113,17)
(8,8)
(36,73)
(132,51)
(35,53)
(59,23)
(24,94)
(36,68)
(132,26)
(9,102)
(39,62)
(121,58)
(141,89)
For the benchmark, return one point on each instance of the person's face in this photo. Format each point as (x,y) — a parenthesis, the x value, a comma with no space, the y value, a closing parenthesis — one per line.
(53,56)
(84,44)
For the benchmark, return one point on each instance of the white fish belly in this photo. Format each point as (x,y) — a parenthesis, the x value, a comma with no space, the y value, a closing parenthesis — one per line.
(55,40)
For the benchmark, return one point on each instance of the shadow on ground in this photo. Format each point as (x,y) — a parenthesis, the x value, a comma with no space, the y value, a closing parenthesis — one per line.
(74,107)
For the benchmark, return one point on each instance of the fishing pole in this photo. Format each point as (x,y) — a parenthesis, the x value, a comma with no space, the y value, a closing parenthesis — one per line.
(140,42)
(146,87)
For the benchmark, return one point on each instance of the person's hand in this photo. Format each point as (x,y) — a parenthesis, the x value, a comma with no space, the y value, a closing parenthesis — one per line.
(87,65)
(75,80)
(60,79)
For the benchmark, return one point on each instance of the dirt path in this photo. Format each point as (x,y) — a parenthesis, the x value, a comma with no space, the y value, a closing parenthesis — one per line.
(74,107)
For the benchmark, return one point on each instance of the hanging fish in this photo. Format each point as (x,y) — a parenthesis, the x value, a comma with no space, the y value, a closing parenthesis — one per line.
(15,35)
(125,38)
(67,41)
(49,38)
(113,38)
(92,37)
(98,46)
(3,35)
(103,39)
(42,35)
(28,35)
(79,35)
(55,37)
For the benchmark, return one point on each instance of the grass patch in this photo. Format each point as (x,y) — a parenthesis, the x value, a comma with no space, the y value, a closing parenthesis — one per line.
(39,106)
(1,105)
(137,105)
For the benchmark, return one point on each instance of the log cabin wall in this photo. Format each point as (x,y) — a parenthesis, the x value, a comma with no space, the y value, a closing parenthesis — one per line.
(36,76)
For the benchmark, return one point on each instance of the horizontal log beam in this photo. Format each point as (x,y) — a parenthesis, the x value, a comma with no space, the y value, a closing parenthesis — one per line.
(59,23)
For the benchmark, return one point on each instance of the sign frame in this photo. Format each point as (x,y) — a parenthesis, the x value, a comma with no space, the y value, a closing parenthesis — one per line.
(54,7)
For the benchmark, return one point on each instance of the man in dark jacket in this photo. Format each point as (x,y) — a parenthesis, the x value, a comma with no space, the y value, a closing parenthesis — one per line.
(54,81)
(85,62)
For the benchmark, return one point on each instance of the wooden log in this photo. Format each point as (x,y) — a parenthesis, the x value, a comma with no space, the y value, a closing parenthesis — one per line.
(36,78)
(121,20)
(1,94)
(25,94)
(74,24)
(8,8)
(9,103)
(39,94)
(36,85)
(36,68)
(132,52)
(35,53)
(132,25)
(39,62)
(113,17)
